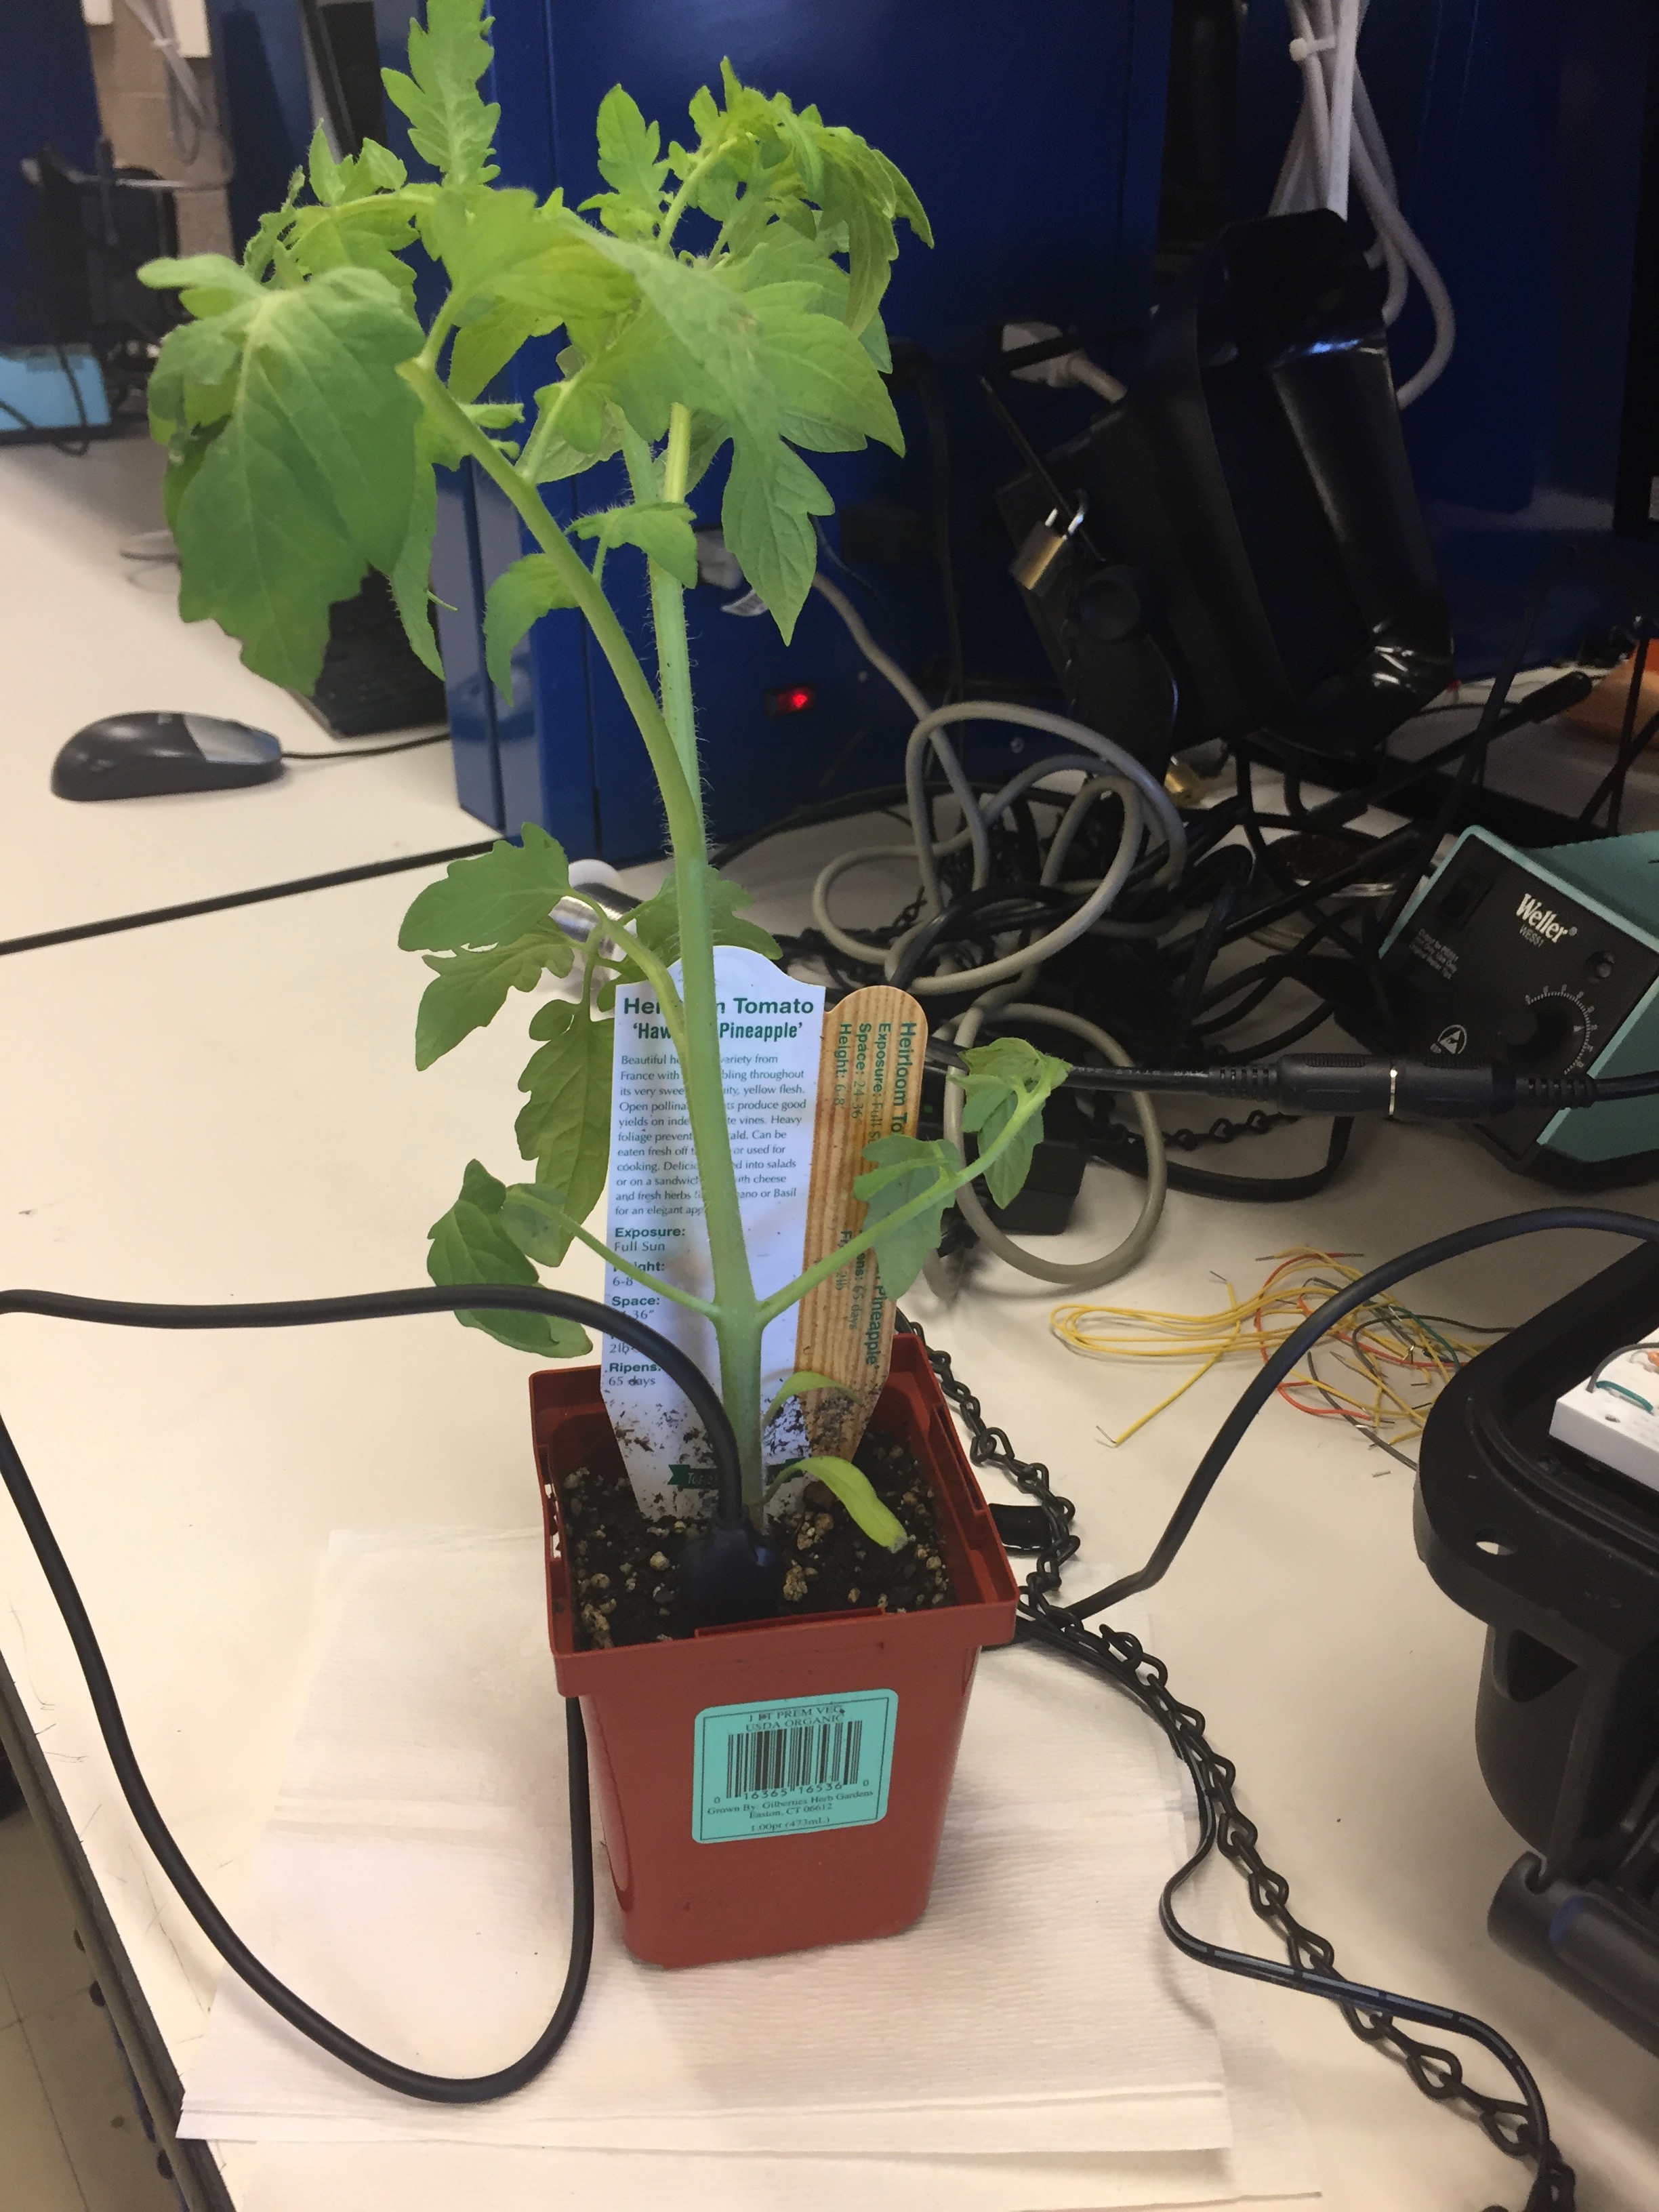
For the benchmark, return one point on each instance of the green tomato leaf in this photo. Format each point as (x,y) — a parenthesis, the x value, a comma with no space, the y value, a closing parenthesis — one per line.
(328,176)
(771,496)
(662,529)
(206,283)
(905,1167)
(796,1386)
(520,596)
(450,125)
(830,392)
(1000,1076)
(854,1488)
(309,479)
(534,1215)
(194,383)
(469,990)
(493,898)
(629,148)
(319,239)
(656,923)
(469,1245)
(565,1126)
(411,576)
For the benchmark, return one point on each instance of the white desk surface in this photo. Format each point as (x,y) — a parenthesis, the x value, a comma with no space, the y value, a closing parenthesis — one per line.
(84,633)
(227,1109)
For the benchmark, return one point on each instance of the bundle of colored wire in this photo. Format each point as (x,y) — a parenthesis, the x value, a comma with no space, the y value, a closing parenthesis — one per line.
(1395,1362)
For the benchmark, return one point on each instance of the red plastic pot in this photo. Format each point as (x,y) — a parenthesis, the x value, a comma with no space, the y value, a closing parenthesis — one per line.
(782,1784)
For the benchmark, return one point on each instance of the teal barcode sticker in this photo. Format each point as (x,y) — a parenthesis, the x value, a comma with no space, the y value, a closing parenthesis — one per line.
(793,1766)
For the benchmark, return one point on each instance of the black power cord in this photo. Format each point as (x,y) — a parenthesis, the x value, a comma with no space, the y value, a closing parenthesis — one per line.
(1519,2127)
(77,931)
(432,2088)
(1273,1371)
(374,752)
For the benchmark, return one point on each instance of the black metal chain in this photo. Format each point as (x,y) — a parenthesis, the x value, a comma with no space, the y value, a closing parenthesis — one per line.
(1221,1131)
(1130,1668)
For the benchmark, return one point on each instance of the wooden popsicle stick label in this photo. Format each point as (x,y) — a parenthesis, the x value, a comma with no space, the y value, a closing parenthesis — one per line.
(869,1087)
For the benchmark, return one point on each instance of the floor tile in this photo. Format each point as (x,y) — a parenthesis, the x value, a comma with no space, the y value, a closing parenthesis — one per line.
(85,2079)
(38,1953)
(36,2167)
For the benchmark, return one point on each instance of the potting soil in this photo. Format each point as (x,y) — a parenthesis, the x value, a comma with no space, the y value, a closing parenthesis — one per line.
(625,1590)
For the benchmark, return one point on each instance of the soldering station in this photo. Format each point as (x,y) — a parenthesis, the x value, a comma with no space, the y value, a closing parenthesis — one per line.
(1218,750)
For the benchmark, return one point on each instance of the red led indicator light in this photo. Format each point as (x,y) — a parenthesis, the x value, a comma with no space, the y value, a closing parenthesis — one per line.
(792,699)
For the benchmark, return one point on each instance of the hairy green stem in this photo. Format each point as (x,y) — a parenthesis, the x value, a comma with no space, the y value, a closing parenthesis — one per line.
(738,1323)
(679,801)
(682,199)
(615,933)
(640,1275)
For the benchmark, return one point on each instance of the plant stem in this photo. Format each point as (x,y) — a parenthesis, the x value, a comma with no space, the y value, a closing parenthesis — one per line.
(821,1270)
(738,1323)
(640,1275)
(612,932)
(685,814)
(667,598)
(682,199)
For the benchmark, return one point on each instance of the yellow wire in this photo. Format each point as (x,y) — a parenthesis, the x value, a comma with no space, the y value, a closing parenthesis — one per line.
(1260,1323)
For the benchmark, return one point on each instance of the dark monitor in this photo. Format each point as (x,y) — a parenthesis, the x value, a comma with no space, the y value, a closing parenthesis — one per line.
(344,55)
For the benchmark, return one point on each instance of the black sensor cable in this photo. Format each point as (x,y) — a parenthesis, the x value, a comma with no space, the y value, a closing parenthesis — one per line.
(1284,1361)
(300,1313)
(1044,1531)
(1340,1083)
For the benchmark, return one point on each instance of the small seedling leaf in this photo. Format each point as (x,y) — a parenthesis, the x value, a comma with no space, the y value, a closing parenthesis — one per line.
(854,1488)
(660,528)
(795,1385)
(656,924)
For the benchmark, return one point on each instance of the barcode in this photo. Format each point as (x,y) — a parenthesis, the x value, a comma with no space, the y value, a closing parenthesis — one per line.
(824,1755)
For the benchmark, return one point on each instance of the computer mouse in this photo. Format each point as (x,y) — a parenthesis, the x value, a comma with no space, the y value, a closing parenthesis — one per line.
(136,756)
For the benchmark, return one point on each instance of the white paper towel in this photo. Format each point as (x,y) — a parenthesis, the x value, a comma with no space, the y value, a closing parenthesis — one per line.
(1267,2166)
(414,1884)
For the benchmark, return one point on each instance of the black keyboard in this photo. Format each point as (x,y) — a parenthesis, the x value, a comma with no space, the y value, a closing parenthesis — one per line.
(371,680)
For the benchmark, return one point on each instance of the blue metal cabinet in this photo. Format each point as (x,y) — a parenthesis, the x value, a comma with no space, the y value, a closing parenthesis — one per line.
(1036,153)
(1035,143)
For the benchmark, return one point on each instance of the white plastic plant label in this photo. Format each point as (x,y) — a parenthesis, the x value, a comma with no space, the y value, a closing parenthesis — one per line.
(770,1029)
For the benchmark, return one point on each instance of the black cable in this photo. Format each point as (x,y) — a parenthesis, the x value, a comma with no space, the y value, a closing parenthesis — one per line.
(1283,1363)
(300,1313)
(374,753)
(1474,761)
(1235,870)
(1120,1147)
(1520,2129)
(1613,781)
(78,931)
